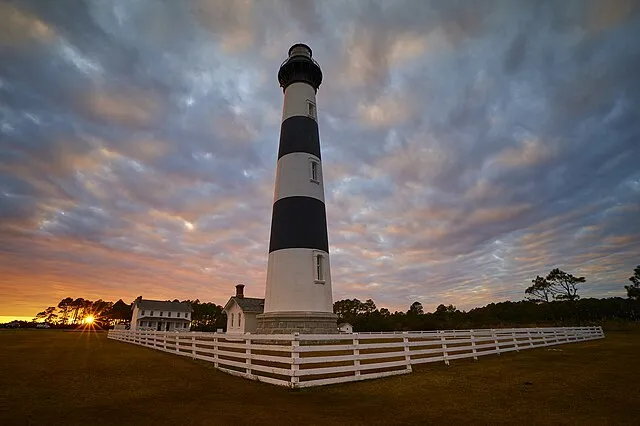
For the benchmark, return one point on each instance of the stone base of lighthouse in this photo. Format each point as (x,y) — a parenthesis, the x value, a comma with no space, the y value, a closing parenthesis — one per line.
(297,322)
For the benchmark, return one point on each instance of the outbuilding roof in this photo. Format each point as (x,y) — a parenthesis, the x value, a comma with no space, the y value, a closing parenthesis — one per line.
(247,304)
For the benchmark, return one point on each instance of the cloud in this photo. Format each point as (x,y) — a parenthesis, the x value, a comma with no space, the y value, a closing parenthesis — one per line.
(18,26)
(127,109)
(466,148)
(528,153)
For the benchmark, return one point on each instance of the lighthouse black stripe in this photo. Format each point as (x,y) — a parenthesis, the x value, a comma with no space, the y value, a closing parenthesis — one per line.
(299,134)
(299,222)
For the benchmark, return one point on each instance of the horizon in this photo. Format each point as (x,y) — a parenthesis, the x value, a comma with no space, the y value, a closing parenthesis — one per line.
(465,149)
(427,308)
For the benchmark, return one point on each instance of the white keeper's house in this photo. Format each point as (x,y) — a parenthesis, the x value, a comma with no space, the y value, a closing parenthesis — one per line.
(241,312)
(156,315)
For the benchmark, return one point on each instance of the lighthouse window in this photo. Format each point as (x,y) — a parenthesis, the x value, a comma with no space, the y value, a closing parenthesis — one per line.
(312,109)
(315,171)
(232,318)
(319,268)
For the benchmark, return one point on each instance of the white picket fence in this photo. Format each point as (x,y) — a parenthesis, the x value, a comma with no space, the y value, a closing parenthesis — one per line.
(303,360)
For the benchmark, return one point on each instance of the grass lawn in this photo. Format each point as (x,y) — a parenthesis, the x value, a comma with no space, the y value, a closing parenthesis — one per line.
(69,378)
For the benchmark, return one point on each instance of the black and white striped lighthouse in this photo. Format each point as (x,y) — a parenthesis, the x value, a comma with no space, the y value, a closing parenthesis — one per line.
(298,296)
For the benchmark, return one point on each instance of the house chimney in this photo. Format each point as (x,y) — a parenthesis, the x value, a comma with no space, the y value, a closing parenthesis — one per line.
(240,291)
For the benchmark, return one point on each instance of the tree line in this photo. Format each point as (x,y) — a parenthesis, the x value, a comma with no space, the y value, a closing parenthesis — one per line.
(72,313)
(552,300)
(549,300)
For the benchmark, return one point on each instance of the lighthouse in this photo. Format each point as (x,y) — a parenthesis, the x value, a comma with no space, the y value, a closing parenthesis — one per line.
(298,296)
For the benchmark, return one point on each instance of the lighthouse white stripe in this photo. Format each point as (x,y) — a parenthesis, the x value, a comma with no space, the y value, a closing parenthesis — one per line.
(293,177)
(296,100)
(291,284)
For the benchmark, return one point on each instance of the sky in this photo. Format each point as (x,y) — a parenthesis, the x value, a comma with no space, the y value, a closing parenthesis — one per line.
(467,146)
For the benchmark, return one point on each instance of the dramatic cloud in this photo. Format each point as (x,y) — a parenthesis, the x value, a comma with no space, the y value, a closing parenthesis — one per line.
(467,147)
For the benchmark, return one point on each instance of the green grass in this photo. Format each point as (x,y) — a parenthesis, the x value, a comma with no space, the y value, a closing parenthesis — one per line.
(65,378)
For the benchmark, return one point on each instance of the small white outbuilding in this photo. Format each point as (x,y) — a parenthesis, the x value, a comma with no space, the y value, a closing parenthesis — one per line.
(241,312)
(345,327)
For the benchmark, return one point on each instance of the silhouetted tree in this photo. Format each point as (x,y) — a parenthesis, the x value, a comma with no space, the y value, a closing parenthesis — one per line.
(565,285)
(120,312)
(207,316)
(48,315)
(540,291)
(415,309)
(633,290)
(65,307)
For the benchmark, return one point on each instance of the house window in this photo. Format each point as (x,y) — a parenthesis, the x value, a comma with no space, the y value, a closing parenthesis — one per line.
(143,312)
(232,318)
(186,314)
(319,267)
(184,325)
(151,313)
(168,314)
(161,313)
(314,171)
(311,109)
(142,323)
(178,314)
(239,320)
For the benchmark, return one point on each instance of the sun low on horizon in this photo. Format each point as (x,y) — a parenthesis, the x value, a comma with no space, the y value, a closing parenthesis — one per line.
(466,148)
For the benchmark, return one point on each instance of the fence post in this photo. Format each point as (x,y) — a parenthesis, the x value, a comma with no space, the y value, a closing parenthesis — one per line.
(495,340)
(530,339)
(356,353)
(295,359)
(177,343)
(473,344)
(164,340)
(407,352)
(515,341)
(193,347)
(247,351)
(215,351)
(445,354)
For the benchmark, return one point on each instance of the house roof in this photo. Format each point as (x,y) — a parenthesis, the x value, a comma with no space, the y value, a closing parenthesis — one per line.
(158,305)
(343,323)
(247,304)
(146,317)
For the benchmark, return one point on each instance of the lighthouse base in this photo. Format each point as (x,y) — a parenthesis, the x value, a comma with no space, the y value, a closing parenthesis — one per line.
(297,322)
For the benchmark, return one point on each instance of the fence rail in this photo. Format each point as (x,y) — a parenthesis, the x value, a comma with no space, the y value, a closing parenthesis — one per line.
(304,360)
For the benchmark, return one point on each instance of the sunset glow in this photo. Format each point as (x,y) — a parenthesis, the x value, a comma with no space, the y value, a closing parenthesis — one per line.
(89,320)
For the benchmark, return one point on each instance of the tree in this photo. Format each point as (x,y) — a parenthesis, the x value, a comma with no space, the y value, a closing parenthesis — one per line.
(415,309)
(368,307)
(48,315)
(65,307)
(540,291)
(120,312)
(564,285)
(557,285)
(441,309)
(77,305)
(633,290)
